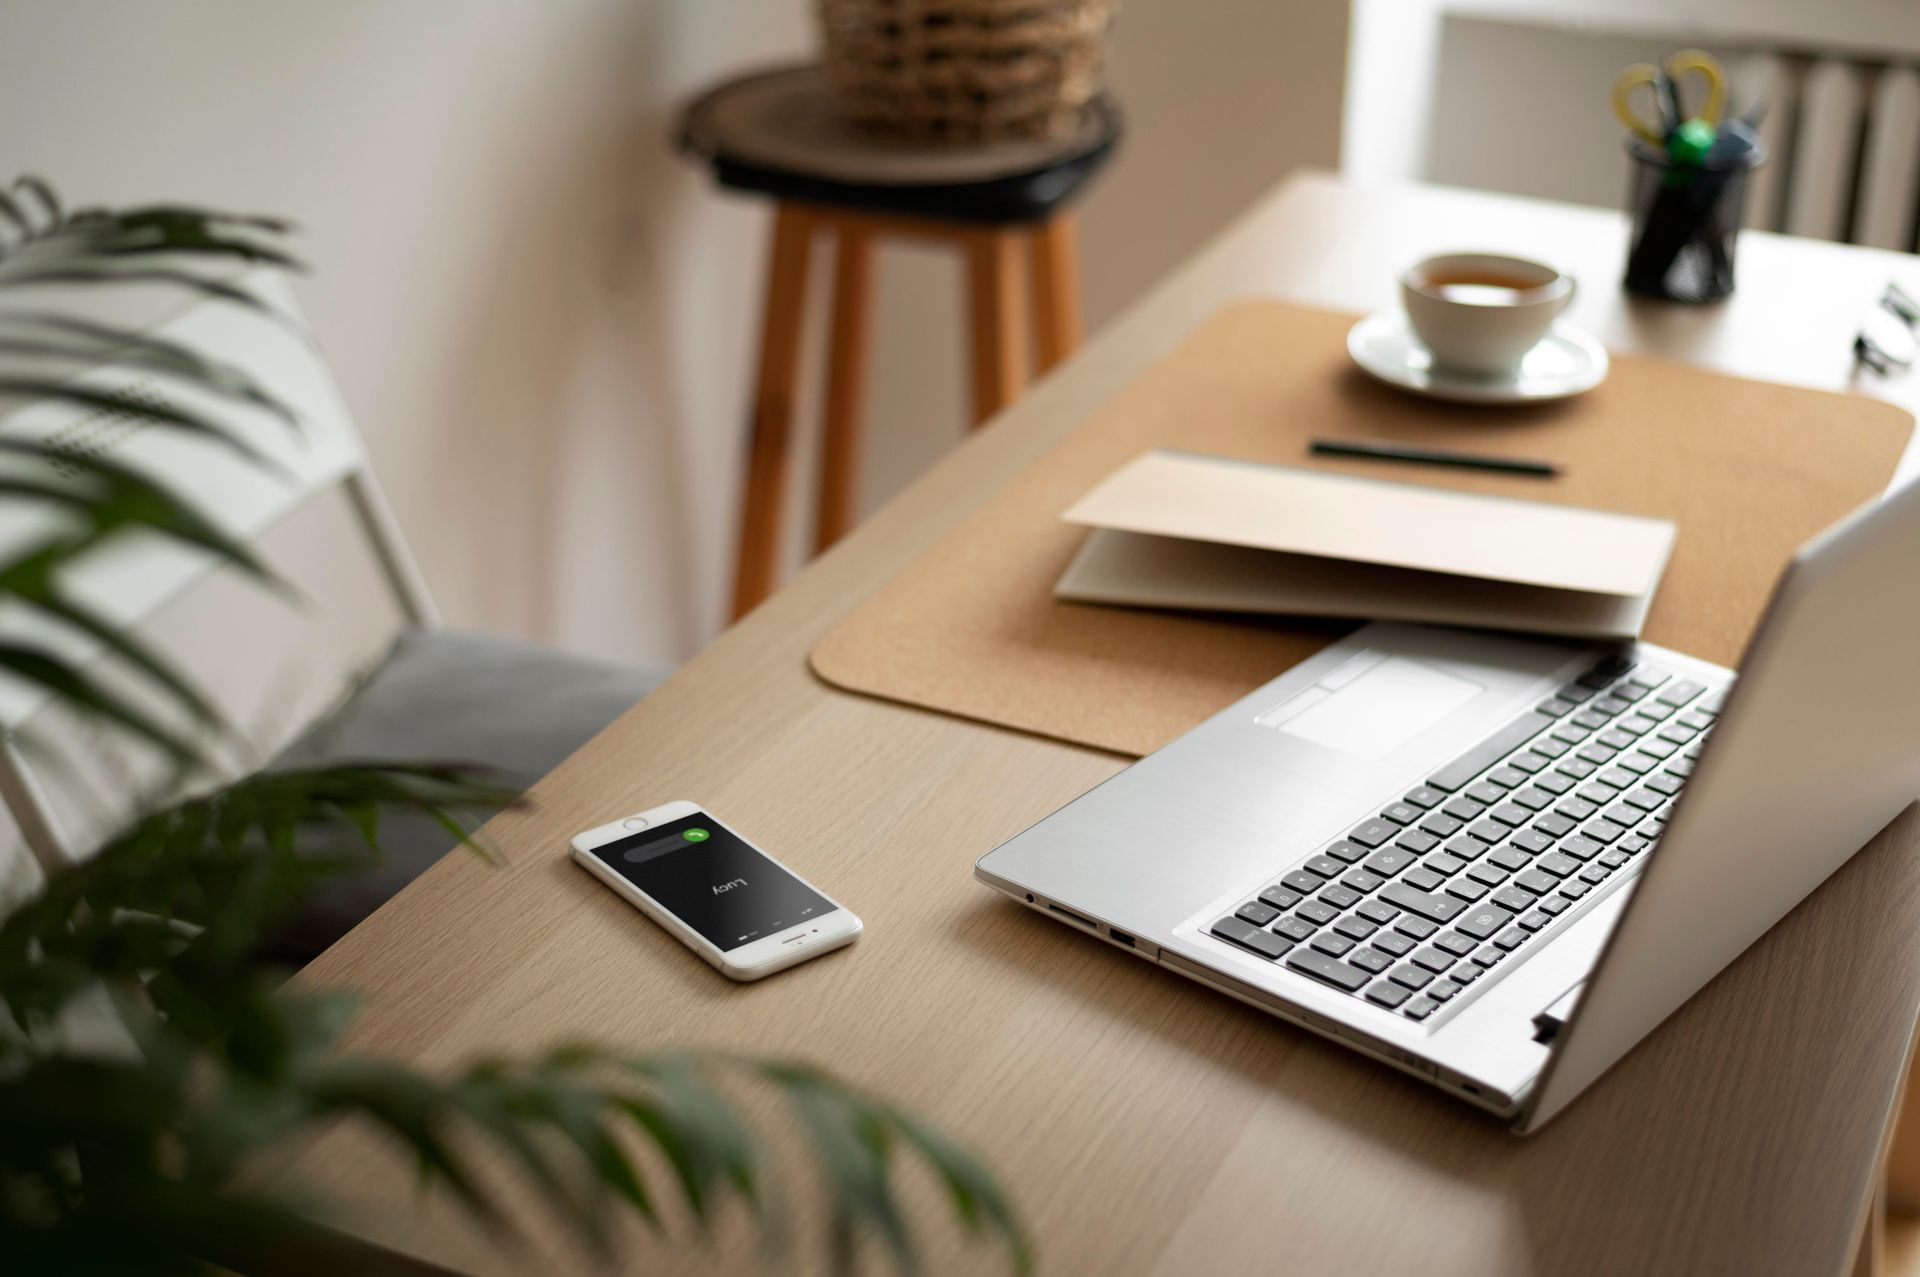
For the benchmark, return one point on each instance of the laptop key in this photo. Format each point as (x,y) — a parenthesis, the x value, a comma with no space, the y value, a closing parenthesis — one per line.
(1554,825)
(1510,859)
(1510,939)
(1535,921)
(1331,943)
(1558,865)
(1388,861)
(1422,878)
(1599,755)
(1696,720)
(1529,761)
(1418,928)
(1316,913)
(1280,898)
(1574,890)
(1555,783)
(1362,881)
(1680,693)
(1394,943)
(1615,858)
(1624,814)
(1455,943)
(1531,841)
(1595,874)
(1514,899)
(1555,707)
(1550,746)
(1637,763)
(1488,831)
(1340,897)
(1637,724)
(1294,929)
(1486,793)
(1602,830)
(1512,815)
(1467,889)
(1247,936)
(1507,777)
(1466,848)
(1443,864)
(1576,808)
(1401,813)
(1533,798)
(1650,676)
(1465,973)
(1537,882)
(1347,850)
(1554,906)
(1425,797)
(1441,825)
(1419,1008)
(1303,882)
(1578,768)
(1411,976)
(1610,704)
(1456,774)
(1325,866)
(1330,969)
(1442,990)
(1591,719)
(1421,903)
(1665,784)
(1579,847)
(1256,913)
(1435,960)
(1356,927)
(1370,960)
(1387,993)
(1658,748)
(1417,841)
(1575,692)
(1598,794)
(1374,832)
(1464,808)
(1488,956)
(1482,921)
(1488,873)
(1378,911)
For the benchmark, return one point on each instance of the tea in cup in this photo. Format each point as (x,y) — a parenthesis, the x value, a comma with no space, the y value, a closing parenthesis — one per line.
(1480,313)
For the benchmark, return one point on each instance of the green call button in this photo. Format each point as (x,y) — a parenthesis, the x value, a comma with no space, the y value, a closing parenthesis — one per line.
(696,835)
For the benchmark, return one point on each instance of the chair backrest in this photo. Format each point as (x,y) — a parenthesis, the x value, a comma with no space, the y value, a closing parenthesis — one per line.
(1511,95)
(270,662)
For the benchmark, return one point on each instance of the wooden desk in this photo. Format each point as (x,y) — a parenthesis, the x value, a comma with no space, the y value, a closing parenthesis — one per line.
(1144,1124)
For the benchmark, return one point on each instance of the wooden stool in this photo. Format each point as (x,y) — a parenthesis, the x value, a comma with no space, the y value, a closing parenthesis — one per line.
(779,134)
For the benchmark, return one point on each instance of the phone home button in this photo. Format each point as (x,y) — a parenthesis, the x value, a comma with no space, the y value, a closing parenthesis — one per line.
(634,822)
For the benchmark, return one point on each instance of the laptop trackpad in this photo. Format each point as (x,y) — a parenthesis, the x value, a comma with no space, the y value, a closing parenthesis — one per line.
(1377,712)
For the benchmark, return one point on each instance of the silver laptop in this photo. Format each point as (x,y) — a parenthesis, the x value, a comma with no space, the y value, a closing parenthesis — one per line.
(1494,862)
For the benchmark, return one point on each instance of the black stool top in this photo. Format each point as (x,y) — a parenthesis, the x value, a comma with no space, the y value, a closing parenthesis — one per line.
(779,133)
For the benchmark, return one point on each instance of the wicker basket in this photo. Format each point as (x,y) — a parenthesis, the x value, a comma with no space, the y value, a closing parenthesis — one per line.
(965,71)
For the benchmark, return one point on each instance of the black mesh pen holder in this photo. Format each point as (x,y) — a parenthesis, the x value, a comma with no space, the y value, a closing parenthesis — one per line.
(1685,219)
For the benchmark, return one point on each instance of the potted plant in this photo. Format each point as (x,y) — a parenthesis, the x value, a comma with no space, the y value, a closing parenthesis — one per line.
(136,1158)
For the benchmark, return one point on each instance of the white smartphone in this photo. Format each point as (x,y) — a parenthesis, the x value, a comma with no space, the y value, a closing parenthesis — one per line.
(717,893)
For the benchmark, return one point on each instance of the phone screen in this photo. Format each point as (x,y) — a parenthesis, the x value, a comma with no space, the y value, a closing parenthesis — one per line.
(711,880)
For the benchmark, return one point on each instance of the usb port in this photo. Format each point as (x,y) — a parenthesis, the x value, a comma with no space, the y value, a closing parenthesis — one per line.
(1120,936)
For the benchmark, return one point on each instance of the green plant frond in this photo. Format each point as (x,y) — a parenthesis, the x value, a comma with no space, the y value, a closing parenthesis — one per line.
(39,668)
(39,333)
(95,399)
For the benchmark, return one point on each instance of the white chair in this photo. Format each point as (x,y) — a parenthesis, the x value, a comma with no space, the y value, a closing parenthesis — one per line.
(365,625)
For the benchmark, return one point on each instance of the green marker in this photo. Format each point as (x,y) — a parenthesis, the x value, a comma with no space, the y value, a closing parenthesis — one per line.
(696,835)
(1690,143)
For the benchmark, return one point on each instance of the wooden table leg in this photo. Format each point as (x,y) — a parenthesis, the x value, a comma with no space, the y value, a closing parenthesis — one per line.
(843,419)
(1056,289)
(1870,1259)
(761,502)
(999,313)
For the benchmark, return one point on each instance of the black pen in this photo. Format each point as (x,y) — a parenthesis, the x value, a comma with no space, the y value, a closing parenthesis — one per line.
(1431,457)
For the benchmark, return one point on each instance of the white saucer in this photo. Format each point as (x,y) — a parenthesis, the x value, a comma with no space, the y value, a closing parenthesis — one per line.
(1566,362)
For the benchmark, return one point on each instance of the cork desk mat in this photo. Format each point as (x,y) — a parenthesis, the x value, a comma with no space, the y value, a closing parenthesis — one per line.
(1747,470)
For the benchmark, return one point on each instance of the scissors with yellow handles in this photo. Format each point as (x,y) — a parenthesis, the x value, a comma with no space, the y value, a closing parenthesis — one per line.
(1663,86)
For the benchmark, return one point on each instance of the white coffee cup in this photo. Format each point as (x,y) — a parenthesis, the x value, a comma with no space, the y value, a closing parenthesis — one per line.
(1480,313)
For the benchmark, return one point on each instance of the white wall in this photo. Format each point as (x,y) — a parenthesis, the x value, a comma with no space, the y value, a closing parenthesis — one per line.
(541,316)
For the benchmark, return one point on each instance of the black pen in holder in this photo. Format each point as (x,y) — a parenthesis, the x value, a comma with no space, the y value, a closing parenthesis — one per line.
(1685,218)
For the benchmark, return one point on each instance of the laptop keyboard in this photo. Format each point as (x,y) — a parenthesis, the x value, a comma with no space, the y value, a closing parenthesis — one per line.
(1475,867)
